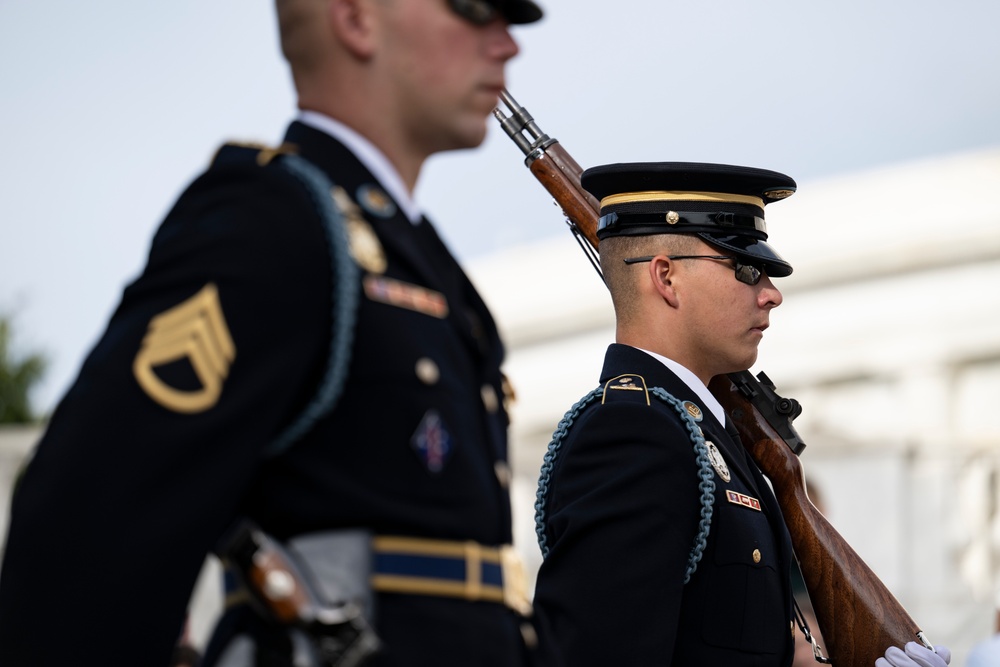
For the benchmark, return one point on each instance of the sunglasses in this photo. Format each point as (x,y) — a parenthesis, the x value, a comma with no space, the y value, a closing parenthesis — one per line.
(478,12)
(747,274)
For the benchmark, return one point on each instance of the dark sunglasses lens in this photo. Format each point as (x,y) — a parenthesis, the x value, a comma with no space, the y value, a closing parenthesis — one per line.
(747,274)
(474,11)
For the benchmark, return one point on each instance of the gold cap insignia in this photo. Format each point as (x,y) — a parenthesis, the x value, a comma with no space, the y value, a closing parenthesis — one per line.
(719,463)
(365,247)
(779,194)
(195,330)
(374,200)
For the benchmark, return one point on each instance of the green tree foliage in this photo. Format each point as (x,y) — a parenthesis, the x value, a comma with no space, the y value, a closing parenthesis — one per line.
(17,377)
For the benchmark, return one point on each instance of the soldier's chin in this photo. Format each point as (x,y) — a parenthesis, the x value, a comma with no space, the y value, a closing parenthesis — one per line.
(470,135)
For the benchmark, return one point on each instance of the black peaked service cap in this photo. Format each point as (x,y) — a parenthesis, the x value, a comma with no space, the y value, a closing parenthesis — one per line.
(723,204)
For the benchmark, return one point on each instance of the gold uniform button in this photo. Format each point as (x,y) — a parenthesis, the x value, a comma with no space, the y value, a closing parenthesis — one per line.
(756,555)
(427,371)
(490,400)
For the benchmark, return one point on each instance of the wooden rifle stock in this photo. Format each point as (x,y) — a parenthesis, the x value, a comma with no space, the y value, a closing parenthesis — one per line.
(858,617)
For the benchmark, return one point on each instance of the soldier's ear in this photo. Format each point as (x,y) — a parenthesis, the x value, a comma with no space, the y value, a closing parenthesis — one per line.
(662,277)
(354,23)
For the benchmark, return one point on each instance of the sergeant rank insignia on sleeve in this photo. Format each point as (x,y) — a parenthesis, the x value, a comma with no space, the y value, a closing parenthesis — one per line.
(194,330)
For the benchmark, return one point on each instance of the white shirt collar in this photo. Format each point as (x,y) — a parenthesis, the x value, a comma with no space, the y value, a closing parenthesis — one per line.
(691,380)
(369,155)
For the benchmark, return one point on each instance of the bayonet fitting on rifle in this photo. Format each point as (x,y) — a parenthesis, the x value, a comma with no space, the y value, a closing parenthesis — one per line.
(517,123)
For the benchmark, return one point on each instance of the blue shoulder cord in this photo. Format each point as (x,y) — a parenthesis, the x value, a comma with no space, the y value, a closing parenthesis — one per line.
(346,278)
(706,474)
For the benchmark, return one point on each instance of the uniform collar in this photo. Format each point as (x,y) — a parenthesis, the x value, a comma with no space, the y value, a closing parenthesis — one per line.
(369,155)
(691,380)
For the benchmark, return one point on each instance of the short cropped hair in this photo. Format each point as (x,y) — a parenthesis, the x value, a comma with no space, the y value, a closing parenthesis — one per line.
(622,279)
(299,23)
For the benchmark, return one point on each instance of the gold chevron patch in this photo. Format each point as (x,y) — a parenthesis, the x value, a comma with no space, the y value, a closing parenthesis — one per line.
(196,330)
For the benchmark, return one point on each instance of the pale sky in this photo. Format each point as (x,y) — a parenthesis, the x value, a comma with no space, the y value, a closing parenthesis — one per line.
(110,107)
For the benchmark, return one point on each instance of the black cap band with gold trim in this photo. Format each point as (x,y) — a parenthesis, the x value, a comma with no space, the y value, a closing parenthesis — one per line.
(722,204)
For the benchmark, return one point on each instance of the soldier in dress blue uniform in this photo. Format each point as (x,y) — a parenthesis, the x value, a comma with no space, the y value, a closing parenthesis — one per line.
(302,350)
(663,544)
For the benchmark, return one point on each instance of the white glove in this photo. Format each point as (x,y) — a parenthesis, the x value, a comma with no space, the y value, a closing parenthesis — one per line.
(915,655)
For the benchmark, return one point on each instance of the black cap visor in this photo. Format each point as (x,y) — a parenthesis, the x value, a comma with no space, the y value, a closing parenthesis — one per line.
(753,250)
(519,11)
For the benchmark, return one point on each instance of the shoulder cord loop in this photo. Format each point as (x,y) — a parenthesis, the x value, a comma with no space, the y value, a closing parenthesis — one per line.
(549,460)
(346,279)
(705,473)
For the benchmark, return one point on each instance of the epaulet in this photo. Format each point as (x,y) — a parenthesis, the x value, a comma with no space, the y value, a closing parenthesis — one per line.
(625,387)
(234,153)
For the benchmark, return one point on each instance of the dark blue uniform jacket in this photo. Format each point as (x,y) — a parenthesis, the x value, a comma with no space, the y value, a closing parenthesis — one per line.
(125,496)
(622,513)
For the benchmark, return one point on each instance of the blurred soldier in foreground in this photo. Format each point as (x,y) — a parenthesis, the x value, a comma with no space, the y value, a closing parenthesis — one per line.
(301,351)
(663,543)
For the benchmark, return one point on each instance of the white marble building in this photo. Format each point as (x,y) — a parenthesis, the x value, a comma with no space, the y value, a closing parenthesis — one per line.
(889,336)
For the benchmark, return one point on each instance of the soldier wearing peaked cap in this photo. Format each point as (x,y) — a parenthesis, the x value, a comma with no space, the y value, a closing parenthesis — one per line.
(662,542)
(301,351)
(642,565)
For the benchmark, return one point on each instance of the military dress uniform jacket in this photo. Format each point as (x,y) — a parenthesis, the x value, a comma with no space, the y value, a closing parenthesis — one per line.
(135,481)
(621,515)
